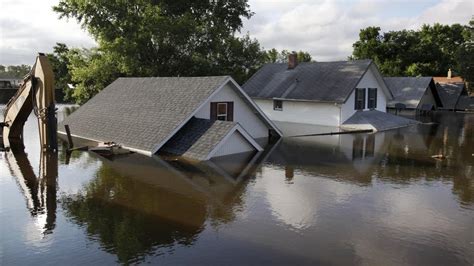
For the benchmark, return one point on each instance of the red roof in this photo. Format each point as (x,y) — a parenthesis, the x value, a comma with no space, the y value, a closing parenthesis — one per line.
(448,80)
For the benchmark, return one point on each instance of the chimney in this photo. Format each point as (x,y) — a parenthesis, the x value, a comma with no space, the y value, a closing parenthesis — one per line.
(292,60)
(449,73)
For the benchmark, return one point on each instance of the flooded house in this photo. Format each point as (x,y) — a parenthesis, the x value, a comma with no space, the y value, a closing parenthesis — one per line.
(195,117)
(417,94)
(451,93)
(345,94)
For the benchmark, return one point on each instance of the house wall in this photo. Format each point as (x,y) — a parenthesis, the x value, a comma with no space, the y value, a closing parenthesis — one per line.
(368,81)
(427,98)
(327,114)
(302,112)
(236,143)
(243,113)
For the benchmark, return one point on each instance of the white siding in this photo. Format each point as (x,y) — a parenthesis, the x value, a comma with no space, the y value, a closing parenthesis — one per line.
(302,112)
(243,114)
(326,114)
(236,143)
(368,81)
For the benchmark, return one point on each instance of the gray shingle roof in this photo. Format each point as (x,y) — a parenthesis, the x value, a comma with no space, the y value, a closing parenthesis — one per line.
(141,113)
(449,94)
(198,138)
(407,90)
(317,81)
(465,103)
(379,120)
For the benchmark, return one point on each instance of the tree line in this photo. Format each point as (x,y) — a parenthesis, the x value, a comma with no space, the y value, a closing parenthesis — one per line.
(143,38)
(429,51)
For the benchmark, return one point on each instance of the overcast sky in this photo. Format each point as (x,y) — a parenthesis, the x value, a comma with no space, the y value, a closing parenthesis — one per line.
(325,28)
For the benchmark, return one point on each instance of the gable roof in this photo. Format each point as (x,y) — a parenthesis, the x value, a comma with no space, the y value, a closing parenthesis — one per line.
(410,90)
(142,114)
(316,81)
(200,137)
(450,93)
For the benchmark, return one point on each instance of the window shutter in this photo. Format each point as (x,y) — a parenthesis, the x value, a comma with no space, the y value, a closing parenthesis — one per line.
(375,98)
(230,111)
(356,99)
(363,99)
(213,115)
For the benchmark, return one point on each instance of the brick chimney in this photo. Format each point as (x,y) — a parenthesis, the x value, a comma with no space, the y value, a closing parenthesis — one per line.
(449,74)
(292,60)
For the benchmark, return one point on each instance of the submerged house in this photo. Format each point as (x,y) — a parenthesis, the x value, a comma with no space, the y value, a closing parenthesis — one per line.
(450,94)
(196,117)
(413,93)
(345,94)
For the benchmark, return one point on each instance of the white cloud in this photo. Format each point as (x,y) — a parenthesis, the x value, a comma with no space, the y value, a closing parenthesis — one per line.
(29,27)
(327,29)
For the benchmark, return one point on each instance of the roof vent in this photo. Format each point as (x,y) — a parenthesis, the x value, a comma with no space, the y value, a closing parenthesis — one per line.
(449,73)
(292,60)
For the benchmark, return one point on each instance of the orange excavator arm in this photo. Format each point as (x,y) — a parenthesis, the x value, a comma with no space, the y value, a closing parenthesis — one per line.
(35,94)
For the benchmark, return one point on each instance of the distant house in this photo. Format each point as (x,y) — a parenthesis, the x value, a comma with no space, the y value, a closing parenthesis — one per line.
(10,83)
(196,117)
(414,93)
(448,79)
(451,93)
(320,93)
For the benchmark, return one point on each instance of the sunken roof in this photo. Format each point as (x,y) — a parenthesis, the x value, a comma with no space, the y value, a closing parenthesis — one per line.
(198,138)
(381,121)
(465,103)
(141,113)
(407,90)
(316,81)
(449,94)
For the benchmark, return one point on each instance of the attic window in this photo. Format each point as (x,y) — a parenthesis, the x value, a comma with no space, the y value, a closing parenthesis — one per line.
(359,99)
(372,98)
(223,111)
(278,105)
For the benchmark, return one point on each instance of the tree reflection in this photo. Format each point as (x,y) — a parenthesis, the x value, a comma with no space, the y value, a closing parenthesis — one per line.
(136,206)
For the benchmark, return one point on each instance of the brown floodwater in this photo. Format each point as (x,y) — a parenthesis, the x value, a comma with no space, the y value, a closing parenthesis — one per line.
(377,199)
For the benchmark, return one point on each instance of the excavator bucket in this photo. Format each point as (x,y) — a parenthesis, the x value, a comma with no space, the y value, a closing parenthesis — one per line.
(35,94)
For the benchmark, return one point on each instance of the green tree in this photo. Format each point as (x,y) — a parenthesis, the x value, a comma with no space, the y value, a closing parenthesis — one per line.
(160,38)
(18,71)
(59,61)
(429,51)
(465,56)
(275,56)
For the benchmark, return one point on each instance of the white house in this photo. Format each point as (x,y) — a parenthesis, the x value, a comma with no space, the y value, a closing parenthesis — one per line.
(195,117)
(318,93)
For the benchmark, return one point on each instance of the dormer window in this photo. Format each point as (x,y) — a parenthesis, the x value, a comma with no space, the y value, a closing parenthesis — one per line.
(359,99)
(223,111)
(372,98)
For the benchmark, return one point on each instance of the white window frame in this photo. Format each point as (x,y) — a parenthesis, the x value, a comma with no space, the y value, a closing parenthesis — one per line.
(222,115)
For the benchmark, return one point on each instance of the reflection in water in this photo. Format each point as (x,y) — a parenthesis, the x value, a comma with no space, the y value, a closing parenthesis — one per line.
(397,156)
(39,190)
(137,204)
(349,199)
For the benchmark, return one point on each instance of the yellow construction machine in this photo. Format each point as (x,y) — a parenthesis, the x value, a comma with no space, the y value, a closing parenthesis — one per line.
(36,93)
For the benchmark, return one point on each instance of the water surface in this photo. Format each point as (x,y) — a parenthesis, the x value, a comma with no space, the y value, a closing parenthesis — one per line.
(350,199)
